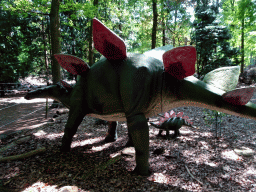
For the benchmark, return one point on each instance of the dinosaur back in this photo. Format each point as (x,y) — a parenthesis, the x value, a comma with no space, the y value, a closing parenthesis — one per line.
(180,62)
(72,64)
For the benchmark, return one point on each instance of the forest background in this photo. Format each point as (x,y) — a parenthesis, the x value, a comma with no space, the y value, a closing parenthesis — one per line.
(223,32)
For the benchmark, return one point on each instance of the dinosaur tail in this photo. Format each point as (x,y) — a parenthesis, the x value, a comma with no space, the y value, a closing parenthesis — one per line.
(188,124)
(155,125)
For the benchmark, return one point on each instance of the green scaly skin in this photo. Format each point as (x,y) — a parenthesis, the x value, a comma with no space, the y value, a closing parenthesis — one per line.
(132,90)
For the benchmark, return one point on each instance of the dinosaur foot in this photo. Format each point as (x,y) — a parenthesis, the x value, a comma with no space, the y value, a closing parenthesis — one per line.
(64,148)
(171,137)
(129,143)
(109,139)
(174,136)
(168,137)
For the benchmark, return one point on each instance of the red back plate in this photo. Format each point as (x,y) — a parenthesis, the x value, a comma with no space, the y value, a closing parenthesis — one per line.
(239,96)
(107,42)
(180,61)
(72,64)
(65,84)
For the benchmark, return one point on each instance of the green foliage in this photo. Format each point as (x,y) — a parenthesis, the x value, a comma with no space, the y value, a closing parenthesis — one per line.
(17,46)
(131,20)
(214,117)
(211,40)
(233,13)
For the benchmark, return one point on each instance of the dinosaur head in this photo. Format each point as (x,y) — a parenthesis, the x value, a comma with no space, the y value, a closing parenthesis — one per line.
(55,91)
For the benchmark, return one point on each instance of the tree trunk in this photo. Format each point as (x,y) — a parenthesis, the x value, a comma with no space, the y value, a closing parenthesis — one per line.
(154,24)
(95,3)
(175,23)
(46,67)
(242,47)
(163,26)
(90,47)
(55,39)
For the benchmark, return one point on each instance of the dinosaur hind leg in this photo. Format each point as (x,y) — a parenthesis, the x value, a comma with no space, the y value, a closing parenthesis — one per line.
(176,134)
(112,132)
(160,133)
(74,119)
(139,132)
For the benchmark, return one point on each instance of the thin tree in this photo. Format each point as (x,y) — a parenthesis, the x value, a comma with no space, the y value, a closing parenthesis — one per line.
(95,3)
(154,29)
(55,38)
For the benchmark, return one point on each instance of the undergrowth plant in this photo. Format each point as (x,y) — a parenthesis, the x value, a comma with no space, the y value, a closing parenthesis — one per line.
(214,117)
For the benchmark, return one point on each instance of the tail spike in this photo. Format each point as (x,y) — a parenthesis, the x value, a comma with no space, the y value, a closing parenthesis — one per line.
(239,96)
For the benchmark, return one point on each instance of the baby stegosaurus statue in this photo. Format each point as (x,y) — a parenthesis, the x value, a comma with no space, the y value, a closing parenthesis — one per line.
(171,121)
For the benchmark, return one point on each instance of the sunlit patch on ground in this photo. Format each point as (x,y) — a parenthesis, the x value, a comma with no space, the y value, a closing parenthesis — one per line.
(250,171)
(20,100)
(160,178)
(40,187)
(51,136)
(228,154)
(206,134)
(102,147)
(86,142)
(211,164)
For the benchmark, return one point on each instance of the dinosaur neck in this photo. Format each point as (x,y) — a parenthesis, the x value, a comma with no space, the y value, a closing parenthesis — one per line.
(193,92)
(64,98)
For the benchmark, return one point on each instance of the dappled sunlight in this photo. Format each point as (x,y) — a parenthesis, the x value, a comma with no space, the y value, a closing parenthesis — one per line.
(231,155)
(207,134)
(160,178)
(20,100)
(52,136)
(40,133)
(212,164)
(251,170)
(86,142)
(203,145)
(204,156)
(36,126)
(41,185)
(186,132)
(102,147)
(20,117)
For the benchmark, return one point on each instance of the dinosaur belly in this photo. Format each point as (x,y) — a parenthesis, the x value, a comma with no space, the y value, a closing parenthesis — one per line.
(109,117)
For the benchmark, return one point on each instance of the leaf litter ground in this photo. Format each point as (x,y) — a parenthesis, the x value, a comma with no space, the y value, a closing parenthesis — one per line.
(195,161)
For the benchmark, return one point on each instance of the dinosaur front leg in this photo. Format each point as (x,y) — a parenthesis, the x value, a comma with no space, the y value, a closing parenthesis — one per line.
(74,120)
(112,132)
(160,133)
(129,142)
(139,132)
(176,133)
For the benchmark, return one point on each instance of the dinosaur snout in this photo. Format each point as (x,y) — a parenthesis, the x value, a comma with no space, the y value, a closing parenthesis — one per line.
(27,96)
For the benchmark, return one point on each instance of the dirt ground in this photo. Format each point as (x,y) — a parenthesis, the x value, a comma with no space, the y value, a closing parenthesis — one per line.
(195,161)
